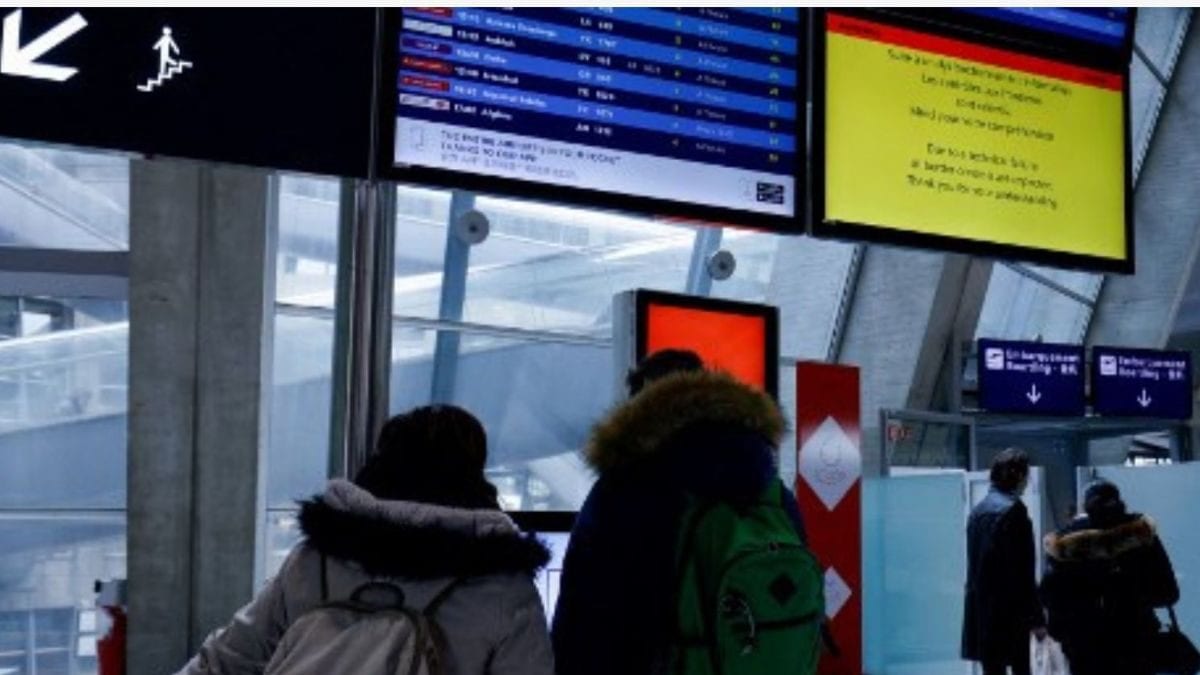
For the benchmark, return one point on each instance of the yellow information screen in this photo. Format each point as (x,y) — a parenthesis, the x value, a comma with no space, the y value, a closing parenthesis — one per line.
(928,135)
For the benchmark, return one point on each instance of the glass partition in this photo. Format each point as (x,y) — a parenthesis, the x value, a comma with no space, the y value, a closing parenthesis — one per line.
(915,569)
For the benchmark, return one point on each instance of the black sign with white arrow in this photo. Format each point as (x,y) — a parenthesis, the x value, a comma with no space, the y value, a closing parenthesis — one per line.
(1142,383)
(283,88)
(1031,377)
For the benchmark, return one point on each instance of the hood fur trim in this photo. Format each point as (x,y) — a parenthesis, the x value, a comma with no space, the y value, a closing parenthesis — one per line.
(1093,544)
(414,540)
(641,427)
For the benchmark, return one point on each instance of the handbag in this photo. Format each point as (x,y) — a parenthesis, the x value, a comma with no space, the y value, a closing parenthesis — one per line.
(1046,657)
(1173,652)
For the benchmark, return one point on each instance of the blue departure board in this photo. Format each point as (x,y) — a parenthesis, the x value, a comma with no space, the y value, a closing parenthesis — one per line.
(686,106)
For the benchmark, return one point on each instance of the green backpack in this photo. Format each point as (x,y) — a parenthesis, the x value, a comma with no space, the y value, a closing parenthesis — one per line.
(751,596)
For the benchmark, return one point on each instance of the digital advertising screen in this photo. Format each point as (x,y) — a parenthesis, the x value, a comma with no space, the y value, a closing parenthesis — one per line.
(741,339)
(689,112)
(1000,131)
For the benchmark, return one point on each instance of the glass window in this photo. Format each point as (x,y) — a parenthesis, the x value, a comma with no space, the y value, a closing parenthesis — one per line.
(538,298)
(63,389)
(302,374)
(1018,307)
(421,217)
(306,264)
(47,603)
(63,199)
(554,268)
(804,277)
(527,394)
(63,395)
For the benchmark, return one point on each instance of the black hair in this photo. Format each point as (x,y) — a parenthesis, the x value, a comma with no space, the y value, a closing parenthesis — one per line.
(1009,470)
(433,454)
(1103,504)
(659,365)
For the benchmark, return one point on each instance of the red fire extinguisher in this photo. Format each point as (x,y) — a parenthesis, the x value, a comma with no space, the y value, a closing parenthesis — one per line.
(110,647)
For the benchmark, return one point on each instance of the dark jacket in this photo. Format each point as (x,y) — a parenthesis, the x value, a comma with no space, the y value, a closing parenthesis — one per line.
(1001,596)
(493,620)
(1101,588)
(699,433)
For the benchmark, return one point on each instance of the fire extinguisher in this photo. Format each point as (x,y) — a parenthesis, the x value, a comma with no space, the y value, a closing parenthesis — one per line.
(110,647)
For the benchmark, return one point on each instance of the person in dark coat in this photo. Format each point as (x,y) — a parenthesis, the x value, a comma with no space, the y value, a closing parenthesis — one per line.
(1107,571)
(688,431)
(1002,606)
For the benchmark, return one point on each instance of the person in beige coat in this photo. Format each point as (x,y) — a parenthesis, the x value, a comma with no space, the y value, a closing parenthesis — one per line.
(419,516)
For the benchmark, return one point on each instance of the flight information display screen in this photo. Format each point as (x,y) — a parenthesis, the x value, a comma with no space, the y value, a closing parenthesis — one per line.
(1001,131)
(693,109)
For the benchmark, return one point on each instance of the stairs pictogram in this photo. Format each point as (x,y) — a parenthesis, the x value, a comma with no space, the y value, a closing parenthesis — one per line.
(172,71)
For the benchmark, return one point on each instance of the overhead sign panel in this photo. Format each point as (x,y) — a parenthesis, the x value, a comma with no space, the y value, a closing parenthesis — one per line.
(989,130)
(281,88)
(681,111)
(1142,383)
(1031,378)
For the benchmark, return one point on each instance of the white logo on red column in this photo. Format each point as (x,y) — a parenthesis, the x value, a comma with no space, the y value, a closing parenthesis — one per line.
(830,462)
(837,593)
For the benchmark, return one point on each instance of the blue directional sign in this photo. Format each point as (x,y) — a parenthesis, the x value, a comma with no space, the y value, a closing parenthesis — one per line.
(1031,378)
(1142,383)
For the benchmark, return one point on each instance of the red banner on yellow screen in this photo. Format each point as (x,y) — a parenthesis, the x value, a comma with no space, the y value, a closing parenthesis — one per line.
(936,136)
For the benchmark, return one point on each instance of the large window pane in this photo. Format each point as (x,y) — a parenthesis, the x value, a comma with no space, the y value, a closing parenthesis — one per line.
(528,396)
(421,218)
(48,566)
(306,266)
(556,268)
(1020,308)
(302,373)
(55,198)
(63,396)
(301,400)
(805,278)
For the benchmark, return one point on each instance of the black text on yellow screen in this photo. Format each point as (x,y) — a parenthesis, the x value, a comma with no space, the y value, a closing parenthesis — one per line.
(995,131)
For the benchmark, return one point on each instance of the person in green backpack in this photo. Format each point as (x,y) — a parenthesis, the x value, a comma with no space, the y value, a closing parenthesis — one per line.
(689,555)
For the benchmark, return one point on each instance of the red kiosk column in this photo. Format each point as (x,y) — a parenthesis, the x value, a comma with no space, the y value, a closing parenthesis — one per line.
(829,489)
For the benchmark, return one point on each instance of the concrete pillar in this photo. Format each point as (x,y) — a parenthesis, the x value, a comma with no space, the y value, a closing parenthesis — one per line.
(1140,310)
(201,290)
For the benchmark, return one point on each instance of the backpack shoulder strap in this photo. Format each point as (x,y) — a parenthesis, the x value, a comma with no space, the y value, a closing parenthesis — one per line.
(324,579)
(441,597)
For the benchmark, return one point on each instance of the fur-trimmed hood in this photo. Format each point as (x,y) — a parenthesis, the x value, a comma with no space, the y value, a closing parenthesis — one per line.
(416,540)
(1088,543)
(642,427)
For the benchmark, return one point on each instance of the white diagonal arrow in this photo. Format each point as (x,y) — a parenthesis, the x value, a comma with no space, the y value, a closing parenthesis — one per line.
(1033,395)
(22,61)
(1144,400)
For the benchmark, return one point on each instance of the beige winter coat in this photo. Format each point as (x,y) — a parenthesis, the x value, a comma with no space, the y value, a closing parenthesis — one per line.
(493,621)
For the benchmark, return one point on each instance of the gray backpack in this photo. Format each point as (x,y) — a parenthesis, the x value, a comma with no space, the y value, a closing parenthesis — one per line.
(374,632)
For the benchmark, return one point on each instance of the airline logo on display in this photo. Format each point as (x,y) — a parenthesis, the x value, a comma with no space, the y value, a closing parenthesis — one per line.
(1031,377)
(1142,383)
(830,463)
(837,593)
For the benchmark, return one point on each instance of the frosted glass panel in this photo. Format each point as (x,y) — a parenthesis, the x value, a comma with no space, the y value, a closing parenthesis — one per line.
(1168,494)
(915,555)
